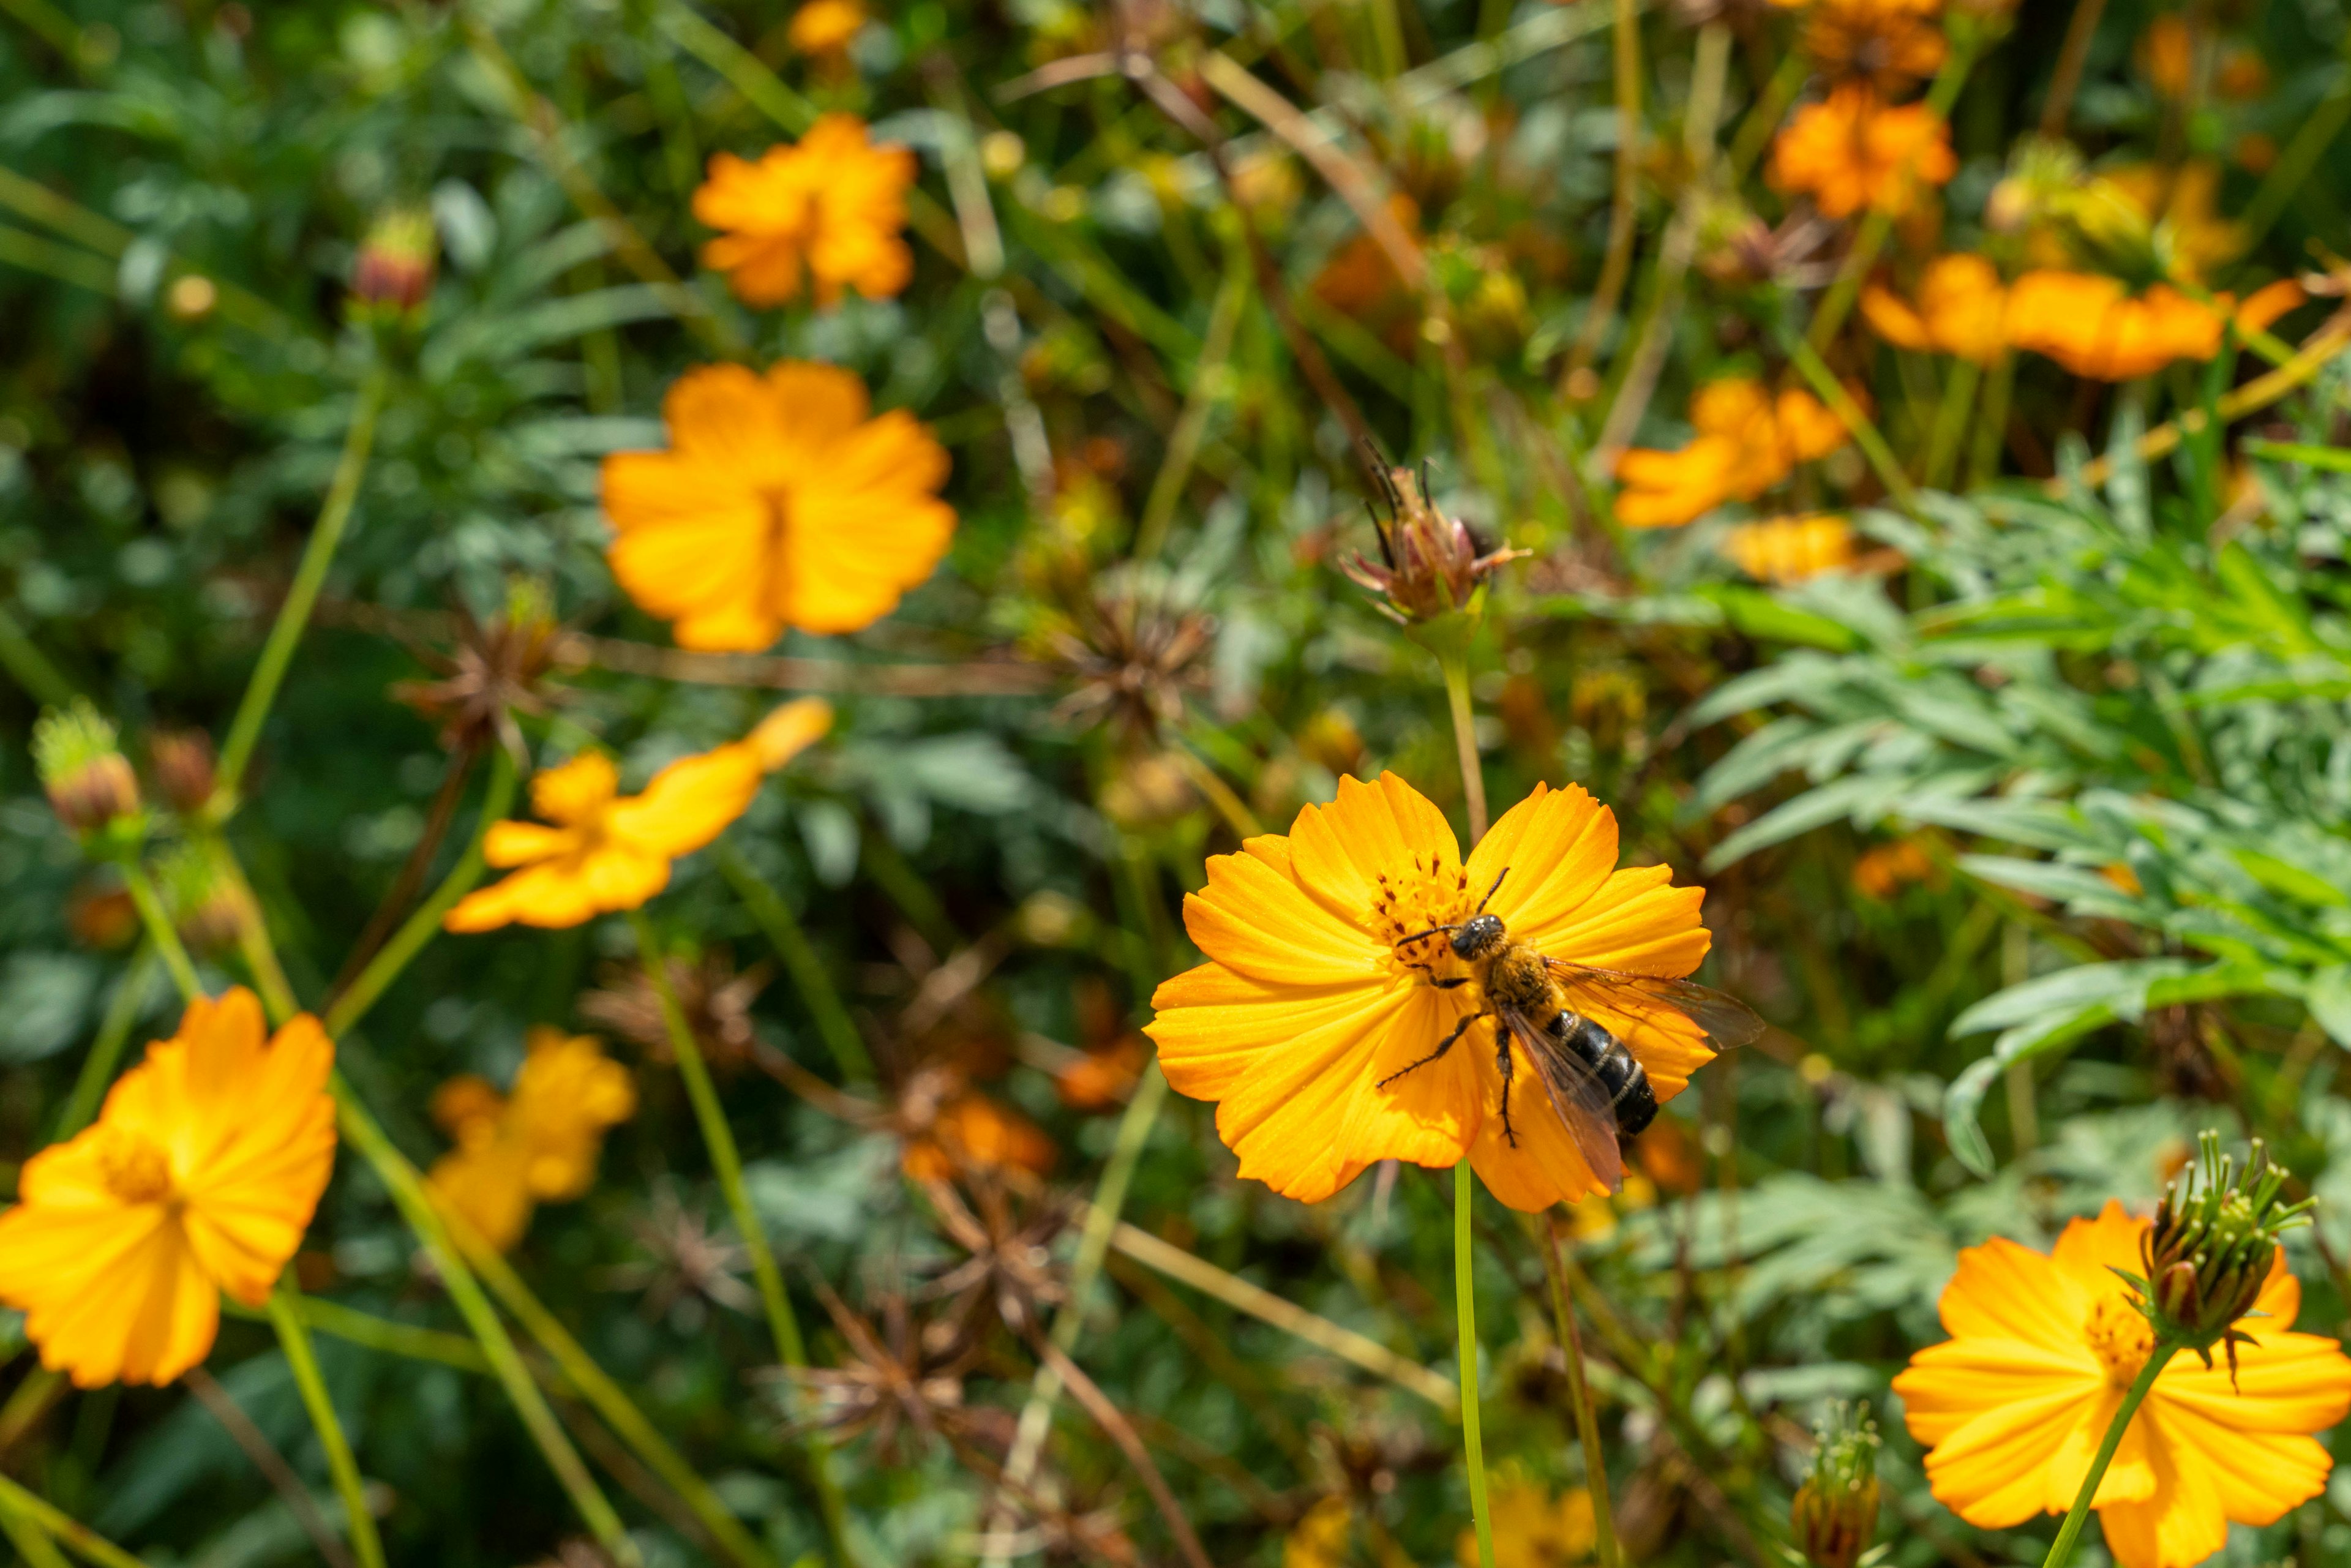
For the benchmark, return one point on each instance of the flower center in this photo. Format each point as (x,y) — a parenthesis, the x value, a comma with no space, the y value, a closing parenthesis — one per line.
(2119,1337)
(133,1169)
(1434,892)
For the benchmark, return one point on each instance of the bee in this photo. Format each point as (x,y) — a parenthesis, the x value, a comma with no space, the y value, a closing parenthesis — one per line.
(1596,1087)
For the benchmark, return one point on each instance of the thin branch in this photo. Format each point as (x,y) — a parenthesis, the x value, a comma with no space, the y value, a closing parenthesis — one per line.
(270,1463)
(1106,1416)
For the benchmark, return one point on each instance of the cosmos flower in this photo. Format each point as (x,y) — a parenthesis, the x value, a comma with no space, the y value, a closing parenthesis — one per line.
(539,1144)
(1962,309)
(609,851)
(199,1176)
(1791,549)
(1747,442)
(1890,43)
(1853,151)
(780,503)
(1304,1004)
(824,27)
(1534,1527)
(2095,327)
(825,215)
(2041,1349)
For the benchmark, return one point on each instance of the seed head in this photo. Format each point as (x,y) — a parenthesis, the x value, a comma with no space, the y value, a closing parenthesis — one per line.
(2210,1248)
(1430,563)
(88,780)
(1834,1512)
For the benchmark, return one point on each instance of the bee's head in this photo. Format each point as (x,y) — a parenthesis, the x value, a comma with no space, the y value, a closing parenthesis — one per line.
(1477,936)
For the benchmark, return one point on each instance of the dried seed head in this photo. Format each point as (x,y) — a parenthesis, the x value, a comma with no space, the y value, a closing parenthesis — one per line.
(1429,564)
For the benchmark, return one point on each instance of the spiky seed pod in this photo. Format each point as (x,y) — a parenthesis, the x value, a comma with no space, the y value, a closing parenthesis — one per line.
(88,780)
(2212,1246)
(1429,564)
(1834,1512)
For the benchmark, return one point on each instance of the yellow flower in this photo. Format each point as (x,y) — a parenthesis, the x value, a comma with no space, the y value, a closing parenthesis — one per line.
(1962,309)
(1319,1540)
(1791,549)
(831,207)
(2013,1405)
(825,26)
(609,851)
(539,1144)
(780,503)
(199,1176)
(1747,442)
(1305,1005)
(1533,1528)
(2180,209)
(1853,151)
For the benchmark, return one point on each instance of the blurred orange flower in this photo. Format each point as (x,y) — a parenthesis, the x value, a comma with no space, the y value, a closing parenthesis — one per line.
(1890,43)
(1882,871)
(780,503)
(539,1144)
(826,213)
(2042,1348)
(1962,309)
(1791,549)
(1533,1527)
(1104,1076)
(972,1130)
(2087,323)
(1853,151)
(199,1176)
(1305,1005)
(609,851)
(1747,442)
(2167,52)
(822,28)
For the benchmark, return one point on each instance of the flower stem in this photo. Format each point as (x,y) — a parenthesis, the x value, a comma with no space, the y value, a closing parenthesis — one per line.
(425,925)
(1464,1297)
(719,1139)
(1578,1388)
(277,653)
(1465,739)
(60,1526)
(358,1524)
(160,930)
(106,1050)
(1951,421)
(2061,1552)
(791,944)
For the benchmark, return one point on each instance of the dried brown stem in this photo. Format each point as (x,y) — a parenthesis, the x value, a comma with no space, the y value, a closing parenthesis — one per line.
(404,886)
(1116,1425)
(270,1463)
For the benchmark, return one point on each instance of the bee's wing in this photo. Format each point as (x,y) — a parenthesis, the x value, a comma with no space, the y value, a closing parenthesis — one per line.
(1726,1021)
(1576,1095)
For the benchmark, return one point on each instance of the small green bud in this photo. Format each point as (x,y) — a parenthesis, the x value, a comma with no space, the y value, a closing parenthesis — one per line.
(394,274)
(2210,1250)
(88,780)
(1834,1512)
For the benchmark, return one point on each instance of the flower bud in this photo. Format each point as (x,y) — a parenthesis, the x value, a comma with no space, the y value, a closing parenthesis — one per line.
(1834,1512)
(2211,1248)
(395,272)
(1430,563)
(206,908)
(88,780)
(183,760)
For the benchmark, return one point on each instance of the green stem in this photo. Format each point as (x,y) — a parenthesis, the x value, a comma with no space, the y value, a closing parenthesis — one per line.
(160,930)
(1825,384)
(1464,1297)
(719,1139)
(1991,422)
(791,944)
(277,653)
(2061,1550)
(1617,262)
(424,924)
(619,1411)
(1465,739)
(106,1050)
(358,1524)
(31,667)
(407,1189)
(1951,421)
(62,1526)
(31,1541)
(355,1327)
(1578,1388)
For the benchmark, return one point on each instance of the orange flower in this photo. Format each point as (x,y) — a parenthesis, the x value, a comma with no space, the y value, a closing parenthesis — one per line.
(1882,871)
(2086,323)
(832,207)
(609,851)
(778,503)
(538,1145)
(972,1130)
(1962,309)
(1534,1527)
(1791,549)
(1891,43)
(1747,442)
(2167,52)
(2041,1349)
(199,1176)
(823,27)
(1854,151)
(1305,1005)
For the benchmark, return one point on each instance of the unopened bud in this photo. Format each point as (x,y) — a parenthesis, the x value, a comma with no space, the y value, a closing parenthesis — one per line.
(395,272)
(1834,1512)
(206,905)
(87,779)
(1429,564)
(2212,1246)
(183,760)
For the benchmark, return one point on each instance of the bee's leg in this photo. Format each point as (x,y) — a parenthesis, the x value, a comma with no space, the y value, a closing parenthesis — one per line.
(1431,971)
(1442,1047)
(1502,1066)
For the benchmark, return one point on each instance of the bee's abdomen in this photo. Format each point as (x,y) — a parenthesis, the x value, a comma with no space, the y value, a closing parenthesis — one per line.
(1629,1095)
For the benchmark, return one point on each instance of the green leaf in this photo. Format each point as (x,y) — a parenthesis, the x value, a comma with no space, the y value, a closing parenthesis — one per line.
(2328,995)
